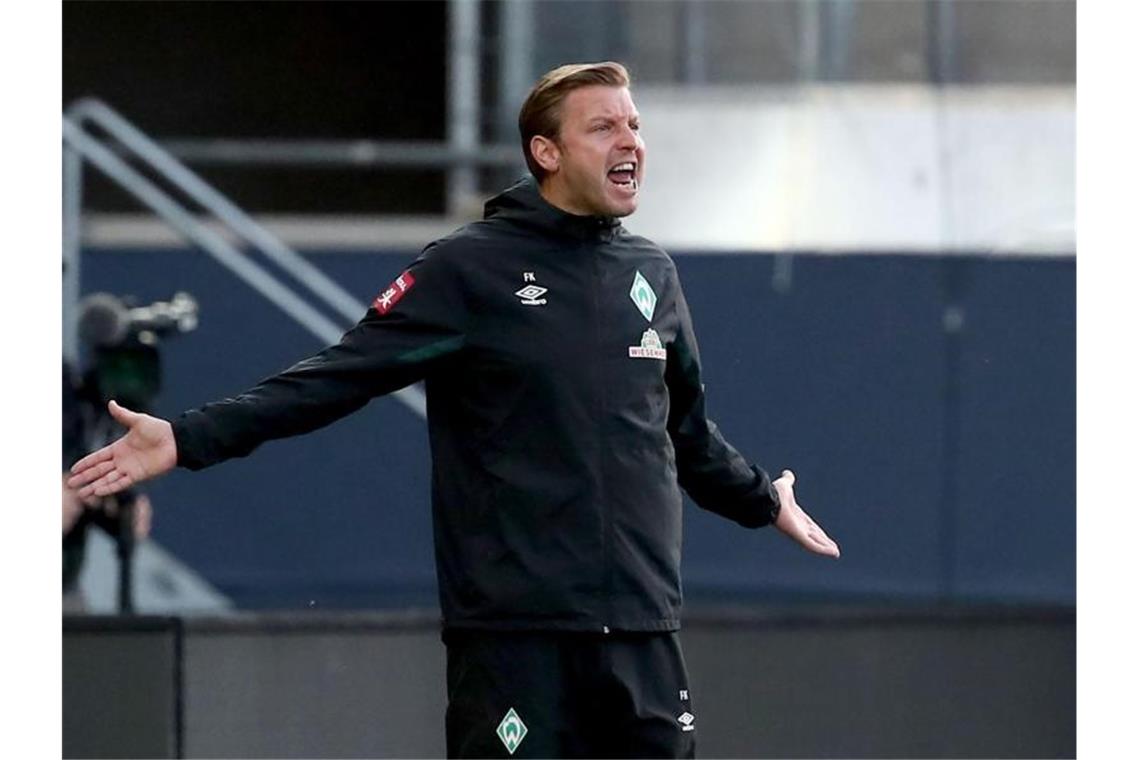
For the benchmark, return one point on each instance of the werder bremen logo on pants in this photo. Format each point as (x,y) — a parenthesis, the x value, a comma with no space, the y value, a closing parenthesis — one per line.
(511,730)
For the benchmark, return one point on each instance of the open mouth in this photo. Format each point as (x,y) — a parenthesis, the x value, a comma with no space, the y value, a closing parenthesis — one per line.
(624,175)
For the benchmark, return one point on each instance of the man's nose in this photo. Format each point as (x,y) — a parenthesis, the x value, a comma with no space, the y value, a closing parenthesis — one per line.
(628,138)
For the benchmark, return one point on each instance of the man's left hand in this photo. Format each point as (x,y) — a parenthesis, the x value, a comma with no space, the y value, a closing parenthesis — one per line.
(796,523)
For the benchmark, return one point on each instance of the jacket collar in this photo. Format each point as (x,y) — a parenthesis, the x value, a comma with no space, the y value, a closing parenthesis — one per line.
(522,203)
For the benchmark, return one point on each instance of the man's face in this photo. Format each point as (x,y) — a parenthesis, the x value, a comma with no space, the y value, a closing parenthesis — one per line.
(601,156)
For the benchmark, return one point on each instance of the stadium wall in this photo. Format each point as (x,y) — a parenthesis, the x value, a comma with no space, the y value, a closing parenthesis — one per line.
(848,167)
(818,683)
(927,404)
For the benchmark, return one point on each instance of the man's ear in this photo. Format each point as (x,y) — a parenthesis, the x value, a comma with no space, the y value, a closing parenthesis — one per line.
(546,153)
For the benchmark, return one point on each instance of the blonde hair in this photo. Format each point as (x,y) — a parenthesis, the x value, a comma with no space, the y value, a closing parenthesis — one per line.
(541,112)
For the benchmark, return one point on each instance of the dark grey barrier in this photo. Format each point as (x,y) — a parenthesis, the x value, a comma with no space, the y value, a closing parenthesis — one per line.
(122,687)
(765,683)
(965,683)
(346,685)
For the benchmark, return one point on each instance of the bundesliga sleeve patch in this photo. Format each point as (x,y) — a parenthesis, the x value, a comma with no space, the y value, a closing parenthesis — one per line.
(393,293)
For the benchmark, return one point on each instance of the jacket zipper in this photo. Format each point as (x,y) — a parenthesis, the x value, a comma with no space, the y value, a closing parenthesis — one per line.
(600,385)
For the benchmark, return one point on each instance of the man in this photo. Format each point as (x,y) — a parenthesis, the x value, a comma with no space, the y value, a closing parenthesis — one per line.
(565,406)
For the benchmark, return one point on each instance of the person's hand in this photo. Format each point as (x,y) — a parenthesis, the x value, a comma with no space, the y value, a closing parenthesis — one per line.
(141,512)
(73,505)
(143,516)
(146,451)
(796,523)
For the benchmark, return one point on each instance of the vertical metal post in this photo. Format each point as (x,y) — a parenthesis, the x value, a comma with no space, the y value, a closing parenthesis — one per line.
(941,60)
(808,59)
(693,27)
(72,219)
(463,68)
(941,44)
(516,59)
(807,54)
(837,50)
(125,550)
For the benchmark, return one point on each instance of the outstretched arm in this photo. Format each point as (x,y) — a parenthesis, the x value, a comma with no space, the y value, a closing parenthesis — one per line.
(414,325)
(146,451)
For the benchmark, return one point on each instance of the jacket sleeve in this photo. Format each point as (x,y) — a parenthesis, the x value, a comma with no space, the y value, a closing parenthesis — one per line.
(412,327)
(710,470)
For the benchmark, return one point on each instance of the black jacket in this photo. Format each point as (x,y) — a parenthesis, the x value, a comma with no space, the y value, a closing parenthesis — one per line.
(565,406)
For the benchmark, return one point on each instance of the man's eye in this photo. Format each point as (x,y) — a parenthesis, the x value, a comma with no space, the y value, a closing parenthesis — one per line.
(601,127)
(635,127)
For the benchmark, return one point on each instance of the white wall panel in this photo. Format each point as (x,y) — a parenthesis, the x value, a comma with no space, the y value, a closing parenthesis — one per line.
(857,168)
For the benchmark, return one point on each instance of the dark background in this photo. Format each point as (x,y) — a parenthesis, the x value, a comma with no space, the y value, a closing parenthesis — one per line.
(345,70)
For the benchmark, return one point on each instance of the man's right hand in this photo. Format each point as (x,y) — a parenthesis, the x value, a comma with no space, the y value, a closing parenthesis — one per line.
(146,451)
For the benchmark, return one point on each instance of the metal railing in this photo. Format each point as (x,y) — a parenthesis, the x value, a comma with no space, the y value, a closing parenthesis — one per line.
(80,146)
(352,154)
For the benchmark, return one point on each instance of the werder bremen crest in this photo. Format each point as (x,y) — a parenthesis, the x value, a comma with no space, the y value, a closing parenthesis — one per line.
(643,296)
(511,730)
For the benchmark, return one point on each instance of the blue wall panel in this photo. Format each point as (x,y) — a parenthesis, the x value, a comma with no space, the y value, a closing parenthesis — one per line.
(838,380)
(942,462)
(1015,513)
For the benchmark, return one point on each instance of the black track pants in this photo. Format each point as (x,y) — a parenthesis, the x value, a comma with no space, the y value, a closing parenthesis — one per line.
(545,694)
